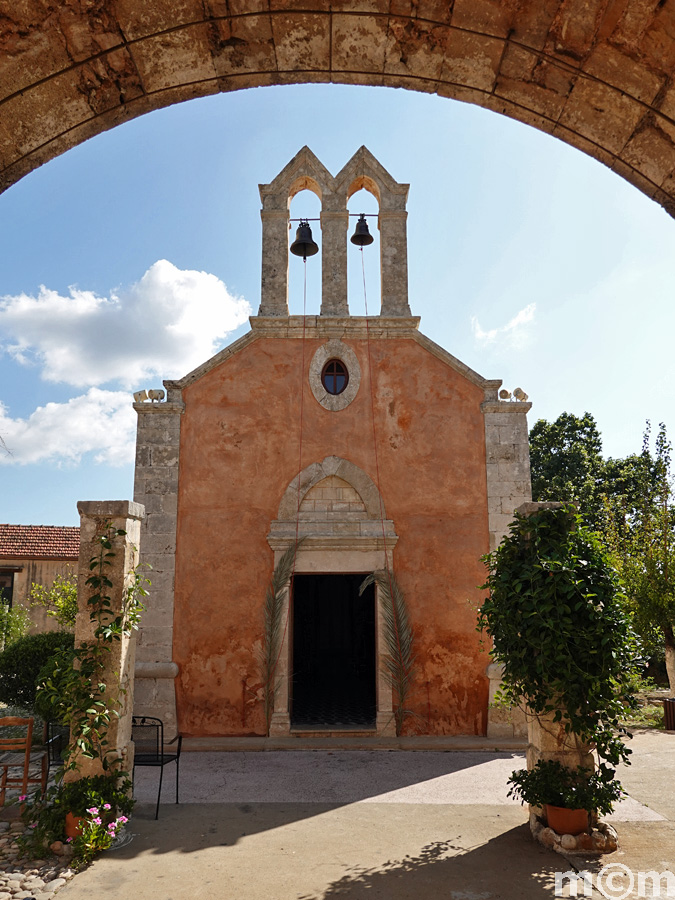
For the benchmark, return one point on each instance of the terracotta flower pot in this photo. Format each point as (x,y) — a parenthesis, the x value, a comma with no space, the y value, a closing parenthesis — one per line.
(566,821)
(73,825)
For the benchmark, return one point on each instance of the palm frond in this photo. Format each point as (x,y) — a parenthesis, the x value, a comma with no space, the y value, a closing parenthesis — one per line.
(399,662)
(273,624)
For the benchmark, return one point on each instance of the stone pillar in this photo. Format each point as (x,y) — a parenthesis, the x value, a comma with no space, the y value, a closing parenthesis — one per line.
(156,487)
(334,229)
(507,460)
(394,262)
(274,279)
(280,721)
(118,672)
(385,722)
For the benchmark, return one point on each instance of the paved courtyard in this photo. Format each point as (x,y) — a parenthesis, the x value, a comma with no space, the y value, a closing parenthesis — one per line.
(314,825)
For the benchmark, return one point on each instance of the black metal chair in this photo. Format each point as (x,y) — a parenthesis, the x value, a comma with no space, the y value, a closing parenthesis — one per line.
(147,733)
(56,739)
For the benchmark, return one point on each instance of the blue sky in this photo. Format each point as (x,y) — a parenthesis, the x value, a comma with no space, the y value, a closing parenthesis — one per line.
(136,256)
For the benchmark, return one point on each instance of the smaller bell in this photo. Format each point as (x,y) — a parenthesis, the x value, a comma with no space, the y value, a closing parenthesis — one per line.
(362,237)
(303,245)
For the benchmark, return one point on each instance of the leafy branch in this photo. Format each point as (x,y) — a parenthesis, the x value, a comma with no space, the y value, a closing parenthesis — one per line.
(399,661)
(275,603)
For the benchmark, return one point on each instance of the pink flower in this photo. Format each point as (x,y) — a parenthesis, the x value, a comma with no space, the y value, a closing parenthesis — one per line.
(22,797)
(106,806)
(33,825)
(68,840)
(97,820)
(93,810)
(123,820)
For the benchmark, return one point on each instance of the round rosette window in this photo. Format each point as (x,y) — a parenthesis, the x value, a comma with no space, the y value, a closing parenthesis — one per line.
(334,375)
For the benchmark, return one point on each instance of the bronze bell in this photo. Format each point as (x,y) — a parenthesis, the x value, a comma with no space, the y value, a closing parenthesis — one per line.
(303,245)
(362,237)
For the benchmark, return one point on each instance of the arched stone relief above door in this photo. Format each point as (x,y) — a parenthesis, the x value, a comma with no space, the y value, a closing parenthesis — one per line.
(333,526)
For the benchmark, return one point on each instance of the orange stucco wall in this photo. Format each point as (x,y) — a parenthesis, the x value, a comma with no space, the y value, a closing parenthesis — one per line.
(239,450)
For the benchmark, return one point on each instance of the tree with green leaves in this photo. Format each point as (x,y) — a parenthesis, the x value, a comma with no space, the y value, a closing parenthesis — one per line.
(642,538)
(59,599)
(567,465)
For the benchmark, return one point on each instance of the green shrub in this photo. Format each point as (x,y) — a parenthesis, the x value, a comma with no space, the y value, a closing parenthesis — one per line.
(14,624)
(59,599)
(21,662)
(557,619)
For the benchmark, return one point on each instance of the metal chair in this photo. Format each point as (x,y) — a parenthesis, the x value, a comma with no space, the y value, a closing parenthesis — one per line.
(15,753)
(56,738)
(147,733)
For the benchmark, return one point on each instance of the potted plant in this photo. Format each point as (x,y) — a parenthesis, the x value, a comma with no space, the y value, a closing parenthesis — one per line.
(566,795)
(87,814)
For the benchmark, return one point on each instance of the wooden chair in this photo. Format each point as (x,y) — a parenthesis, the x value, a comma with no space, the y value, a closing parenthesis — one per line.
(147,733)
(15,753)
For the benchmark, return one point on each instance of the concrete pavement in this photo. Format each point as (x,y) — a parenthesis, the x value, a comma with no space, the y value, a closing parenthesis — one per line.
(304,825)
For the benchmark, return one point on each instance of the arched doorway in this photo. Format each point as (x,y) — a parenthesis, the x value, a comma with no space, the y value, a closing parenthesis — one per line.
(330,667)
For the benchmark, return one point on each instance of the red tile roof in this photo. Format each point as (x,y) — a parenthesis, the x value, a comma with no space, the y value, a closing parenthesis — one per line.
(39,541)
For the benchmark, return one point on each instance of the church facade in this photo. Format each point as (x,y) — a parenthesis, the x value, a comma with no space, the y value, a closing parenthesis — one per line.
(362,444)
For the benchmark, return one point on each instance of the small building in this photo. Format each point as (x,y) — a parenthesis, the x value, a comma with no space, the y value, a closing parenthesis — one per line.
(360,436)
(35,554)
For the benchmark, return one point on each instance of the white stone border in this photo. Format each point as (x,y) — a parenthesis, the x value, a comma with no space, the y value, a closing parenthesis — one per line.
(334,349)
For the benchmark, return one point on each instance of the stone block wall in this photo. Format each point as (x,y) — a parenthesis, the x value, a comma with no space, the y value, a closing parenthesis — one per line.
(156,487)
(507,461)
(507,452)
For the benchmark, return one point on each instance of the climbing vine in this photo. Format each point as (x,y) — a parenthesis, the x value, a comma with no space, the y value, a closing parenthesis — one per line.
(556,616)
(77,689)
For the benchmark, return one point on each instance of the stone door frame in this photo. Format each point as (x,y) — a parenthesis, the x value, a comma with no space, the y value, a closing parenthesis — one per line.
(336,548)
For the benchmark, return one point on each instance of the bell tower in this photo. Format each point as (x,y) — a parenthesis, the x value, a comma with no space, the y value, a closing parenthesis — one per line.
(306,172)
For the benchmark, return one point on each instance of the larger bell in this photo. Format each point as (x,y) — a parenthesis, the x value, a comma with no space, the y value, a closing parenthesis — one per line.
(303,245)
(362,237)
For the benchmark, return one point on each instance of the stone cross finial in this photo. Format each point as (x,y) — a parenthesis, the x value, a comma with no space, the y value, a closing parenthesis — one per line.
(306,172)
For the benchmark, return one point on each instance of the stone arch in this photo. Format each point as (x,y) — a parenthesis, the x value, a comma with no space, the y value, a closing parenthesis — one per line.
(598,76)
(311,475)
(364,171)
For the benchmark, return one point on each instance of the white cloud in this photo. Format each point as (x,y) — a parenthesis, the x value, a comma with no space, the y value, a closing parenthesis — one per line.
(163,326)
(514,334)
(99,422)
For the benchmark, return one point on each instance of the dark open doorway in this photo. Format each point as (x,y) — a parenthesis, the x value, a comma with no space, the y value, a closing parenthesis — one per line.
(333,684)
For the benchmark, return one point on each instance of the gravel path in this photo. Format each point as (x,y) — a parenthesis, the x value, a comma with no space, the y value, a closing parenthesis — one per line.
(22,879)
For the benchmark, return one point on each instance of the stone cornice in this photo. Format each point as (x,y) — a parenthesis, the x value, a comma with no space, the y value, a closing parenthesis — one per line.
(166,406)
(505,406)
(334,326)
(333,542)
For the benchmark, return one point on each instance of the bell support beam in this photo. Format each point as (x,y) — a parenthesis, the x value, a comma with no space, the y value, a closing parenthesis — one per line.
(334,227)
(274,280)
(394,262)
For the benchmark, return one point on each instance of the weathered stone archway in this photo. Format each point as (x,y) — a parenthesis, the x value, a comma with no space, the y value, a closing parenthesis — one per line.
(594,73)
